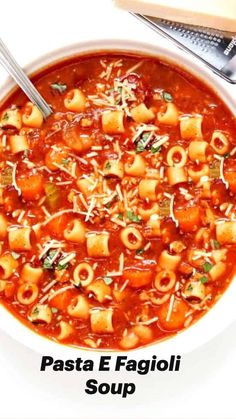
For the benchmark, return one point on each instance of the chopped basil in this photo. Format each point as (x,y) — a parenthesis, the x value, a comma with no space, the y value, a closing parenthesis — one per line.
(60,267)
(65,162)
(133,217)
(107,280)
(5,117)
(120,216)
(167,97)
(54,310)
(108,205)
(207,267)
(139,252)
(155,148)
(15,255)
(226,155)
(48,263)
(59,87)
(141,144)
(35,312)
(190,287)
(203,279)
(107,165)
(215,244)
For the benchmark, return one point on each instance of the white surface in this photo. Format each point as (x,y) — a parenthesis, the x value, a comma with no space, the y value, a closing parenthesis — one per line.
(205,386)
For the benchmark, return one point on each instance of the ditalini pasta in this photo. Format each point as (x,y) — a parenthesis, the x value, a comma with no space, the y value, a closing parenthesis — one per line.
(118,213)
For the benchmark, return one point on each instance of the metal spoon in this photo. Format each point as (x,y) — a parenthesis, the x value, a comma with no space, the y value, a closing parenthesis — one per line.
(13,68)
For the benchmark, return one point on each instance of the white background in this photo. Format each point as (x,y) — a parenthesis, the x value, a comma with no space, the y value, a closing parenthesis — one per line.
(205,387)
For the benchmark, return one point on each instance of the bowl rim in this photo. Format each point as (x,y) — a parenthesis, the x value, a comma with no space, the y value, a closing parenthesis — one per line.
(221,315)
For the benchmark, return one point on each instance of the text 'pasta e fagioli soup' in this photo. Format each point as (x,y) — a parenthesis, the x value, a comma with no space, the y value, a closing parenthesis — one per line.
(118,213)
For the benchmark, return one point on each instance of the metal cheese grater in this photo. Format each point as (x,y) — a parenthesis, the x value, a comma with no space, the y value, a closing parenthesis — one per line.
(217,49)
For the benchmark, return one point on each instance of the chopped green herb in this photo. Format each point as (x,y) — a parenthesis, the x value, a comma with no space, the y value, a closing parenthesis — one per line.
(15,255)
(107,165)
(203,279)
(107,280)
(108,205)
(120,216)
(60,267)
(190,287)
(133,217)
(59,87)
(65,162)
(207,267)
(226,155)
(5,117)
(155,148)
(215,244)
(54,310)
(7,176)
(139,252)
(48,261)
(167,97)
(142,142)
(35,312)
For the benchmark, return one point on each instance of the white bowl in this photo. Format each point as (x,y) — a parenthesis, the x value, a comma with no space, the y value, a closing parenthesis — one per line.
(223,313)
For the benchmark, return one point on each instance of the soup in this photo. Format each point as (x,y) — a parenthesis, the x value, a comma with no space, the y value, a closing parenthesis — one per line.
(117,213)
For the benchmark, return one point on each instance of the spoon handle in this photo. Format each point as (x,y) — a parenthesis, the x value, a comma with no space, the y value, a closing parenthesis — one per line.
(13,68)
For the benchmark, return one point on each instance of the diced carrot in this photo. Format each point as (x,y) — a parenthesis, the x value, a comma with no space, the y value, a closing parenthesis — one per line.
(62,300)
(31,187)
(137,277)
(77,142)
(57,226)
(189,218)
(56,156)
(177,316)
(230,177)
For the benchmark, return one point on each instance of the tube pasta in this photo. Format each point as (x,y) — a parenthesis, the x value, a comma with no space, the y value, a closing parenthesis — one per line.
(147,189)
(195,290)
(146,211)
(31,274)
(198,171)
(167,261)
(219,142)
(113,168)
(153,226)
(197,151)
(226,232)
(217,271)
(168,115)
(98,245)
(131,238)
(100,290)
(136,166)
(176,156)
(144,333)
(7,266)
(165,280)
(18,143)
(27,293)
(75,101)
(40,313)
(101,321)
(75,232)
(176,175)
(86,185)
(191,127)
(32,117)
(11,118)
(20,239)
(83,274)
(3,226)
(65,330)
(113,122)
(141,114)
(79,307)
(129,341)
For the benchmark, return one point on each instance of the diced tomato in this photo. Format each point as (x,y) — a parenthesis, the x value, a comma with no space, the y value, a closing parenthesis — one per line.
(189,218)
(57,226)
(31,187)
(137,277)
(177,316)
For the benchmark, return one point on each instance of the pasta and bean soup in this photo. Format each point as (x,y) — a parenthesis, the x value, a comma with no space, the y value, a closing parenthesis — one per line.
(117,213)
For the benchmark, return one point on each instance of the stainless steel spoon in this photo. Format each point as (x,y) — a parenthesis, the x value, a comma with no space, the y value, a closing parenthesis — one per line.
(16,72)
